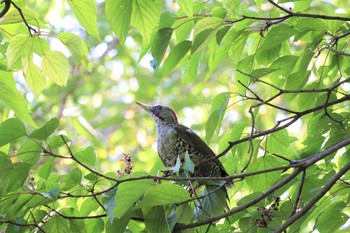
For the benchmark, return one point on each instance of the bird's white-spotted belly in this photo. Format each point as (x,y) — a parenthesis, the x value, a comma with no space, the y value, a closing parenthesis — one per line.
(166,143)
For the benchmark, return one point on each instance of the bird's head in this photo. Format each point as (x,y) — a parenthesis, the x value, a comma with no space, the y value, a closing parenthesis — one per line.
(160,114)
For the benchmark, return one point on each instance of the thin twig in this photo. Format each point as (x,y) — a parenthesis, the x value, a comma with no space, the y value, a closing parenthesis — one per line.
(297,199)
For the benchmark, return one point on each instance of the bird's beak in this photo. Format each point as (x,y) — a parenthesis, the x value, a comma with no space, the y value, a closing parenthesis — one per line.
(144,106)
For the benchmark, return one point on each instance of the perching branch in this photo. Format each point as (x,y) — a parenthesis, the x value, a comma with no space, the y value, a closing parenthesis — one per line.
(300,166)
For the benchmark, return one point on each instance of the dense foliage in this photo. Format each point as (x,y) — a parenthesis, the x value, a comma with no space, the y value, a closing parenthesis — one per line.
(265,83)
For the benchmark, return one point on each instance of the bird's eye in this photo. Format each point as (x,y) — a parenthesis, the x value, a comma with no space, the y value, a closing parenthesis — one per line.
(160,107)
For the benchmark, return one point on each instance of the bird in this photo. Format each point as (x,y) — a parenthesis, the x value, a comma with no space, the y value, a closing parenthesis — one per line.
(175,140)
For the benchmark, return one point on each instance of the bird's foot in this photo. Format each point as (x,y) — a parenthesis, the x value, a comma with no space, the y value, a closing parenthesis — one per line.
(166,173)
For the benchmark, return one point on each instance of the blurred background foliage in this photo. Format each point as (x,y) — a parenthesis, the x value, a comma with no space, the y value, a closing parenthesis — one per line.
(97,105)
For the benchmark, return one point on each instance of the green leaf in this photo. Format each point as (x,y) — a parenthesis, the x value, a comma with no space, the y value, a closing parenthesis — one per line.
(119,224)
(45,170)
(202,40)
(52,194)
(219,12)
(77,225)
(109,200)
(186,6)
(95,225)
(278,142)
(266,56)
(212,204)
(332,212)
(128,193)
(175,56)
(221,34)
(16,47)
(71,180)
(57,141)
(218,109)
(190,69)
(262,72)
(188,164)
(77,47)
(55,67)
(159,46)
(13,16)
(45,131)
(13,99)
(87,156)
(266,180)
(207,23)
(297,80)
(57,224)
(38,45)
(307,24)
(34,77)
(184,213)
(155,219)
(13,177)
(164,194)
(119,16)
(85,11)
(277,35)
(11,130)
(167,19)
(29,152)
(211,125)
(144,17)
(284,64)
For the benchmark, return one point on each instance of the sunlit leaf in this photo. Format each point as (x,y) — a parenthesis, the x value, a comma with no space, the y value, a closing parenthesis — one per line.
(16,47)
(77,47)
(277,35)
(128,194)
(186,6)
(144,17)
(35,79)
(119,16)
(163,194)
(55,67)
(85,11)
(265,180)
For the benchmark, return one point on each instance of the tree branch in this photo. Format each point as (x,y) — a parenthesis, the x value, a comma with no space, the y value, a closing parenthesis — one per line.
(300,165)
(315,199)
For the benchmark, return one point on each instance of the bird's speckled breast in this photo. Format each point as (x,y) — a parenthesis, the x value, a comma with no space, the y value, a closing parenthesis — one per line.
(167,140)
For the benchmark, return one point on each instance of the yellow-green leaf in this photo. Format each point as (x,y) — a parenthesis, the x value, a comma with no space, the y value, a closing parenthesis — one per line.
(35,79)
(13,99)
(15,48)
(55,67)
(119,16)
(85,11)
(144,17)
(77,47)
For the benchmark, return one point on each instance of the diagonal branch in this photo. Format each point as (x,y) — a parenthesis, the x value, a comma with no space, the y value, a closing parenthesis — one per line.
(315,199)
(300,165)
